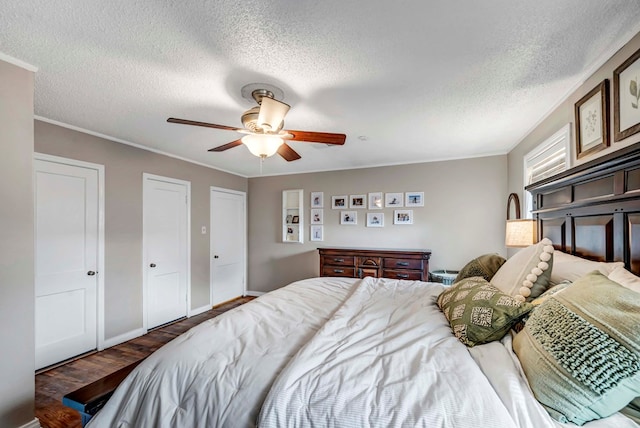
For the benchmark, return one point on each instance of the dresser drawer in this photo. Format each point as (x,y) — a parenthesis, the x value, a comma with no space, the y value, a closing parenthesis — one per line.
(369,261)
(339,260)
(402,274)
(403,264)
(349,272)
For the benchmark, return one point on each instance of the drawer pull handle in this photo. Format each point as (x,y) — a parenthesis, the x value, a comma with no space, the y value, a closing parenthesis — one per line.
(402,264)
(338,271)
(338,260)
(402,275)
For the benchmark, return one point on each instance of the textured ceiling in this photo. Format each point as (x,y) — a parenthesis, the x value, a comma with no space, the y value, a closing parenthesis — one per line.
(407,81)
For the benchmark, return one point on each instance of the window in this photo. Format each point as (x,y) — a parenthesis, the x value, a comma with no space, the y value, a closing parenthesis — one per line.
(549,158)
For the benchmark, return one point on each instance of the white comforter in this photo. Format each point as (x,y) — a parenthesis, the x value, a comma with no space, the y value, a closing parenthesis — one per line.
(218,373)
(387,358)
(331,352)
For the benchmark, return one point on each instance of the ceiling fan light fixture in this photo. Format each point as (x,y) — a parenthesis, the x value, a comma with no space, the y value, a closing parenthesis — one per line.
(262,145)
(272,113)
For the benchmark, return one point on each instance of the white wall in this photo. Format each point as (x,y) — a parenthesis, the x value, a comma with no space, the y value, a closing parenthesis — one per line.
(464,216)
(17,289)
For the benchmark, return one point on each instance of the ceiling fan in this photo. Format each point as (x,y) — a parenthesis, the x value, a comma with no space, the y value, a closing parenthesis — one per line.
(263,128)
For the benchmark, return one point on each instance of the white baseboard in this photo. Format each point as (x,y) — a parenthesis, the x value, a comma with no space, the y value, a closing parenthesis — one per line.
(108,343)
(255,293)
(199,310)
(33,424)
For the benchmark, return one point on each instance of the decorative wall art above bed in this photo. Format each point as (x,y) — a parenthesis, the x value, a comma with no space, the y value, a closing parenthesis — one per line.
(626,98)
(592,120)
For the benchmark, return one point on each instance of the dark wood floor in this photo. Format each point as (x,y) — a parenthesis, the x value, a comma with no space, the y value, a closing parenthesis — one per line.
(53,384)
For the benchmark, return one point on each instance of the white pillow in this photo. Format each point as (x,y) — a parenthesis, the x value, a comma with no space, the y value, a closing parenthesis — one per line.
(569,268)
(525,275)
(625,278)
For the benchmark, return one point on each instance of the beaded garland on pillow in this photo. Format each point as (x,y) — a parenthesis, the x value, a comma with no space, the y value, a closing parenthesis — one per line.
(580,350)
(526,274)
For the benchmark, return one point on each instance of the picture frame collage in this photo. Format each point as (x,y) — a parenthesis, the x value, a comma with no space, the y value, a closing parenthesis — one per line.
(350,204)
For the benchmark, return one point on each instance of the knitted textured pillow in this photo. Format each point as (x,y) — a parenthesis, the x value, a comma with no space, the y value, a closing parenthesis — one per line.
(580,350)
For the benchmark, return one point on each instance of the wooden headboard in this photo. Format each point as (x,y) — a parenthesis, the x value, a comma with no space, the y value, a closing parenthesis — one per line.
(593,210)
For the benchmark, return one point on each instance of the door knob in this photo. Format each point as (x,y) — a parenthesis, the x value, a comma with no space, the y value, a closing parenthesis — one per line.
(216,257)
(152,265)
(91,273)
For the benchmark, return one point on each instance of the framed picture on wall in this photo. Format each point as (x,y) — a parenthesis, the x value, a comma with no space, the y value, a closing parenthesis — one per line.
(317,233)
(317,199)
(317,216)
(592,120)
(339,202)
(403,217)
(349,217)
(394,200)
(414,199)
(375,201)
(626,98)
(357,201)
(375,219)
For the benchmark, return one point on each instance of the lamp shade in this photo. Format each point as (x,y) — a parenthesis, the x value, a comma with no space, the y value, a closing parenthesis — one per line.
(262,145)
(272,112)
(520,233)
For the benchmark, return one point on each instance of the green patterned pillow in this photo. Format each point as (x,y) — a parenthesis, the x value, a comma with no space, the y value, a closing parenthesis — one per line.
(485,266)
(580,350)
(478,312)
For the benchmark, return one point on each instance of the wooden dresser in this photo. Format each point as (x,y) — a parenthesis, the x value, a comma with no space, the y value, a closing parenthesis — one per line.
(359,262)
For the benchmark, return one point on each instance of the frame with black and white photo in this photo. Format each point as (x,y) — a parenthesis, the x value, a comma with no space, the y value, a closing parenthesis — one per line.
(317,199)
(375,219)
(392,200)
(357,201)
(317,216)
(317,233)
(403,217)
(339,202)
(349,217)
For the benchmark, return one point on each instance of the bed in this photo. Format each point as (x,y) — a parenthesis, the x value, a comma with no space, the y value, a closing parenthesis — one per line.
(384,352)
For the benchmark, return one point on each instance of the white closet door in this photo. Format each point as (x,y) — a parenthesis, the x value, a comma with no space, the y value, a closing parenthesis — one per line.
(66,222)
(228,245)
(166,249)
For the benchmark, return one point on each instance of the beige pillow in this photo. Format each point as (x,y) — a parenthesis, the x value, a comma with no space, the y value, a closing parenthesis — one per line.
(625,278)
(569,268)
(526,274)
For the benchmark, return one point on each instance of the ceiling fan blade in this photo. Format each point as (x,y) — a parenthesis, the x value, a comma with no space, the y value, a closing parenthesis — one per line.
(227,146)
(272,113)
(205,124)
(288,153)
(317,137)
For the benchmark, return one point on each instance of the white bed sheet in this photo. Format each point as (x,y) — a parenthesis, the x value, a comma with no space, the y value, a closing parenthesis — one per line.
(501,366)
(219,372)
